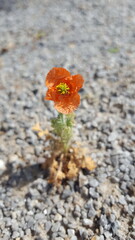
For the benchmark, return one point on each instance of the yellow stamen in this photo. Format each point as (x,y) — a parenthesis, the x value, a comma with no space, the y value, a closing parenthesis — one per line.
(63,88)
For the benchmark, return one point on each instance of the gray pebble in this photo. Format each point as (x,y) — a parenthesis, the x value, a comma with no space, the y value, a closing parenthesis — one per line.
(71,232)
(15,234)
(85,191)
(48,226)
(29,206)
(93,193)
(87,222)
(39,216)
(54,235)
(101,237)
(62,229)
(93,182)
(103,220)
(73,238)
(122,200)
(113,136)
(57,217)
(55,227)
(66,193)
(61,211)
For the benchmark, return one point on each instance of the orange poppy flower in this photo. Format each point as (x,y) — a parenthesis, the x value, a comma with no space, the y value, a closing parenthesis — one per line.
(63,89)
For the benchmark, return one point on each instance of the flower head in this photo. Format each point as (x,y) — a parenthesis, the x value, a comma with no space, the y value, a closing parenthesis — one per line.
(63,89)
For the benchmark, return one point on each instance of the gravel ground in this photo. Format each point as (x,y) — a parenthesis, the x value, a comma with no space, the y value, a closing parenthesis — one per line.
(93,38)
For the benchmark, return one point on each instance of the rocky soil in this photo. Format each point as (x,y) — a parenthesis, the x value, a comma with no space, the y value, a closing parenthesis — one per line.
(93,38)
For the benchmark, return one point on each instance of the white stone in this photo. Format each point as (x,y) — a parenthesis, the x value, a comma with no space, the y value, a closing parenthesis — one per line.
(2,165)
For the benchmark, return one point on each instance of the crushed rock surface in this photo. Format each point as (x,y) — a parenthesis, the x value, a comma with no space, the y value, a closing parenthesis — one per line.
(95,39)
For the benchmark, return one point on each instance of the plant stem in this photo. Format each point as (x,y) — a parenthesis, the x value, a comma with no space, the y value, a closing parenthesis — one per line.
(62,126)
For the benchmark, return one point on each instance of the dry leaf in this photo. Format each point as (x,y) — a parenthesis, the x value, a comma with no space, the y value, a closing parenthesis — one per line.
(36,127)
(88,163)
(67,165)
(43,133)
(73,170)
(39,130)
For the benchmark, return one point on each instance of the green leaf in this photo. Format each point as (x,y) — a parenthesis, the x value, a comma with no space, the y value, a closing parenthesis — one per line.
(113,50)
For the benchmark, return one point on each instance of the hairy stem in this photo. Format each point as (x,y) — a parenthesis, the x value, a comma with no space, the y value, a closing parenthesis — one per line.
(62,126)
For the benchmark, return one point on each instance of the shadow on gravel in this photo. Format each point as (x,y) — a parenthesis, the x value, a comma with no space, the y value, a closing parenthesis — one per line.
(23,176)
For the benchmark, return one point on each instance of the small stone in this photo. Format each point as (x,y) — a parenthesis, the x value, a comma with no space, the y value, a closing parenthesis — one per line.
(93,183)
(77,208)
(83,214)
(85,235)
(30,221)
(130,209)
(65,221)
(77,214)
(85,104)
(34,192)
(72,225)
(103,220)
(91,212)
(55,227)
(28,232)
(48,226)
(132,172)
(101,73)
(107,234)
(114,179)
(61,210)
(123,186)
(58,217)
(71,232)
(66,193)
(87,222)
(112,218)
(14,225)
(90,207)
(83,180)
(114,227)
(54,235)
(73,238)
(101,237)
(122,200)
(15,234)
(39,216)
(45,211)
(84,191)
(13,158)
(126,178)
(123,168)
(38,150)
(113,136)
(2,165)
(62,229)
(93,193)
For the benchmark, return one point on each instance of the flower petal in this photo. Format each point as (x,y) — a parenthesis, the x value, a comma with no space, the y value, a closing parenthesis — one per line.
(56,74)
(77,82)
(51,94)
(68,105)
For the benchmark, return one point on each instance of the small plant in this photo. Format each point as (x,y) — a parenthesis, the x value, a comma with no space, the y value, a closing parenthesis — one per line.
(113,50)
(65,160)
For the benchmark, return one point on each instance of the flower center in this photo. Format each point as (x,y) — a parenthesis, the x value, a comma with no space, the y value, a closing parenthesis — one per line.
(63,88)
